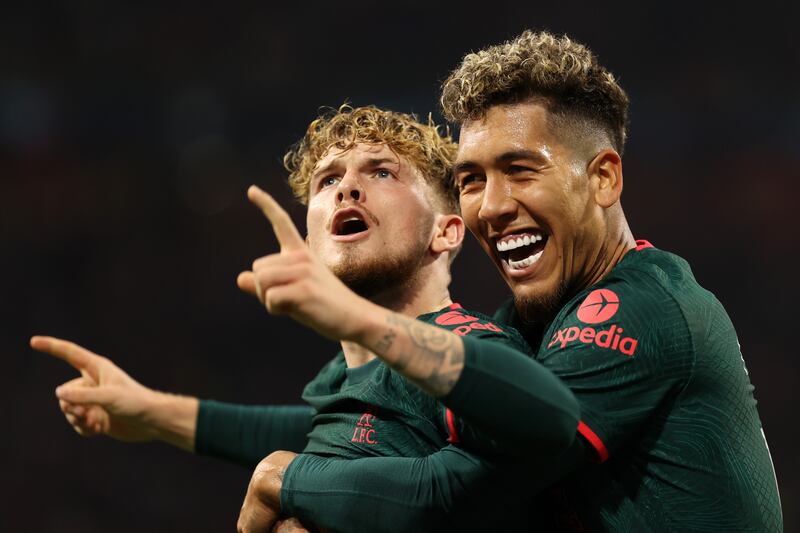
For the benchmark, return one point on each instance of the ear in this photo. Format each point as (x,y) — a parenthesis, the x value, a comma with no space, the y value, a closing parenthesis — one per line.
(605,173)
(449,233)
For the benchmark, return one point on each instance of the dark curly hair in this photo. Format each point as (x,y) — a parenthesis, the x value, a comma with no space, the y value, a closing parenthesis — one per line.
(564,74)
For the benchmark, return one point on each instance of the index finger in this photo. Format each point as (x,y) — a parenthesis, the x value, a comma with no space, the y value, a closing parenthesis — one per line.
(80,358)
(285,230)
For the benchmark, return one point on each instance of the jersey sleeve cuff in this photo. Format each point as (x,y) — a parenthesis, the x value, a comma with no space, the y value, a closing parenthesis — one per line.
(287,485)
(594,441)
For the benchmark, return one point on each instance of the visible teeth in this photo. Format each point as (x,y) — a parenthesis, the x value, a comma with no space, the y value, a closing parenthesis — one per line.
(512,244)
(523,263)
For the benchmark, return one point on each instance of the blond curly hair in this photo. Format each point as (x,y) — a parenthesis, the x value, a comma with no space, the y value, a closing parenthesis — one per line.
(563,73)
(431,152)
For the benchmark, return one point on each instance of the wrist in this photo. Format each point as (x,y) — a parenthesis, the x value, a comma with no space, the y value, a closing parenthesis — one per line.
(172,418)
(271,471)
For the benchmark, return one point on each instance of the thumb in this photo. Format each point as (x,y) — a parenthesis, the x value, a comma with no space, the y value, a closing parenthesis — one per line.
(247,283)
(83,395)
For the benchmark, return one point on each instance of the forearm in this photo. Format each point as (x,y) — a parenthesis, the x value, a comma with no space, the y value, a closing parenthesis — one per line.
(450,490)
(523,407)
(245,434)
(430,357)
(384,493)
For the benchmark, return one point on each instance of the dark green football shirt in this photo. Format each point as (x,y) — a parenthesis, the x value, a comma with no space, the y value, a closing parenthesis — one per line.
(371,410)
(666,405)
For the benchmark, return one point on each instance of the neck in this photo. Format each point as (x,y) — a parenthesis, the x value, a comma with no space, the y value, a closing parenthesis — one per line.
(619,242)
(426,293)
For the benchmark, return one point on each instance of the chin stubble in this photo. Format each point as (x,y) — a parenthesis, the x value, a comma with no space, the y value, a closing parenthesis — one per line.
(540,308)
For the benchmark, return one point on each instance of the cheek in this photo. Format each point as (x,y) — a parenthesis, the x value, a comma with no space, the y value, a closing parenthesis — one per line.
(470,206)
(315,224)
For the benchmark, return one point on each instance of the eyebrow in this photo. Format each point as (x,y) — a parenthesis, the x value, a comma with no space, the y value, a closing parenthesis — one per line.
(504,158)
(376,162)
(317,173)
(370,163)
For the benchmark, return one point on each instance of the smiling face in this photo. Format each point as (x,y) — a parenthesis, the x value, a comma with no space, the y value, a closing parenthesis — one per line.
(369,218)
(528,199)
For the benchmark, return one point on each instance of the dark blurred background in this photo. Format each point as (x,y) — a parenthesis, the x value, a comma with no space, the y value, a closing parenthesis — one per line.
(129,132)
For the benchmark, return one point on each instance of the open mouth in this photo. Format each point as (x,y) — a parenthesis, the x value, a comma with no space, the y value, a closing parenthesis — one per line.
(350,226)
(349,222)
(521,250)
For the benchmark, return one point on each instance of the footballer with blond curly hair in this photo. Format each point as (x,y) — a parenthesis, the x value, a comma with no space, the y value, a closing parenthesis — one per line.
(383,228)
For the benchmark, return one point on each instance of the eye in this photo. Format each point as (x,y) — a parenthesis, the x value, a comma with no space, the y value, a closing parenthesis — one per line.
(468,180)
(513,169)
(328,181)
(383,173)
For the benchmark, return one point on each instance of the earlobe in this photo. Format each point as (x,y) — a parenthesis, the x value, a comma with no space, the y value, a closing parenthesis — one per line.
(605,171)
(449,233)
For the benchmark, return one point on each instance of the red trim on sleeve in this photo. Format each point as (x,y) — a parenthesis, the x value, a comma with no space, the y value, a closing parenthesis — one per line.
(642,244)
(587,433)
(455,306)
(451,428)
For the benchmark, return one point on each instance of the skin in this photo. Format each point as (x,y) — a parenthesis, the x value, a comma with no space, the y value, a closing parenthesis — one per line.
(516,175)
(370,181)
(105,400)
(298,280)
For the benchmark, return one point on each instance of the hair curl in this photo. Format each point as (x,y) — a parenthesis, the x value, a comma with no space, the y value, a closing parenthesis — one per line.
(564,73)
(431,152)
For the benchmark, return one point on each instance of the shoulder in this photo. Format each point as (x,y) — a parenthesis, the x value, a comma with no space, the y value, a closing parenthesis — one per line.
(661,281)
(473,324)
(636,311)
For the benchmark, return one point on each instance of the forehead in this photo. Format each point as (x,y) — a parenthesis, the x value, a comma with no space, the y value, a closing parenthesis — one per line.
(361,153)
(507,128)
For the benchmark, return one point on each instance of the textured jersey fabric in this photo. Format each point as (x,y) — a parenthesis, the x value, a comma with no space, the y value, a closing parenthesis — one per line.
(245,434)
(666,404)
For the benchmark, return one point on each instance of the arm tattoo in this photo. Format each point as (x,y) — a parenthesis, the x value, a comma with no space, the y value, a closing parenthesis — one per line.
(386,341)
(434,358)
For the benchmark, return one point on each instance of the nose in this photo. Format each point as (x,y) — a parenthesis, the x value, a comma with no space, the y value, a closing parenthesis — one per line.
(498,206)
(350,189)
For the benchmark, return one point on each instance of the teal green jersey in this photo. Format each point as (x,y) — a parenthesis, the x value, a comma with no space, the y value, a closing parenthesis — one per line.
(666,405)
(371,410)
